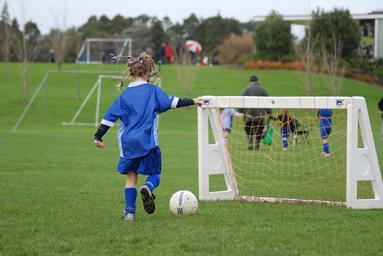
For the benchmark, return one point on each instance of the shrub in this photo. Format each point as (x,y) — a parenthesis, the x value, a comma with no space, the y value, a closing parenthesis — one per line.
(236,48)
(378,72)
(259,64)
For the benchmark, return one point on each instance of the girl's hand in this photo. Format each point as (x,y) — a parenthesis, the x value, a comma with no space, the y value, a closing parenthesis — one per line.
(198,102)
(99,144)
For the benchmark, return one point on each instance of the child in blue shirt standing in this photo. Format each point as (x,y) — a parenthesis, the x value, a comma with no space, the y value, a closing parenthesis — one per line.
(325,126)
(138,107)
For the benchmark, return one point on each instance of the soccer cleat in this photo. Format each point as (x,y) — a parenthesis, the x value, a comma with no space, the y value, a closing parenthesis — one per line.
(129,217)
(147,199)
(324,154)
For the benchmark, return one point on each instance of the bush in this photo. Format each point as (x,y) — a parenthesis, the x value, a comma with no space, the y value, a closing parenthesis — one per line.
(235,48)
(259,64)
(378,72)
(288,58)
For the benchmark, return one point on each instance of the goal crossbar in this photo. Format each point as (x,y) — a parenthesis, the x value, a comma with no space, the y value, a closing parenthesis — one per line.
(361,161)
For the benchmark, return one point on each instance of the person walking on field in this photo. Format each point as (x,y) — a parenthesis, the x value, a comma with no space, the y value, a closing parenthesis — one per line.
(254,118)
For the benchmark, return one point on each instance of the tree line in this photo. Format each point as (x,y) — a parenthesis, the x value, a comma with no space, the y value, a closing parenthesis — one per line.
(146,32)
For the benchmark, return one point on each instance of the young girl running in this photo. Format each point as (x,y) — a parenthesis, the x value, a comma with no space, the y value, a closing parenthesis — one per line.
(138,107)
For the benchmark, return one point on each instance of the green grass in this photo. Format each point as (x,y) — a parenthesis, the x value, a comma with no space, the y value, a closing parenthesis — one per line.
(60,195)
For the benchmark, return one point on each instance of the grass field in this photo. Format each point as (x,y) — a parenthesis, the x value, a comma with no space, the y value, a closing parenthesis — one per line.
(60,195)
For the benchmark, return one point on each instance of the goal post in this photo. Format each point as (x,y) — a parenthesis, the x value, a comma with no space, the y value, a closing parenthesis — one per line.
(97,50)
(96,87)
(299,174)
(42,88)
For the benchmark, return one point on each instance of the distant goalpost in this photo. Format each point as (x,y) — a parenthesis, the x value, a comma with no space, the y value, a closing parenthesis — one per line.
(102,75)
(43,84)
(98,50)
(299,173)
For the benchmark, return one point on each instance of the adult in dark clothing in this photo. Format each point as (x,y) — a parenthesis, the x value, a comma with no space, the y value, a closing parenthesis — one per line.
(380,105)
(254,118)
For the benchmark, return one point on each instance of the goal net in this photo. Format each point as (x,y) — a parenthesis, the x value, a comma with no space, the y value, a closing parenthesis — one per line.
(101,50)
(283,150)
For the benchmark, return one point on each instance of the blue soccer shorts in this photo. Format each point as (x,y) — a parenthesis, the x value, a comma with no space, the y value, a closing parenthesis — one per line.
(325,131)
(147,165)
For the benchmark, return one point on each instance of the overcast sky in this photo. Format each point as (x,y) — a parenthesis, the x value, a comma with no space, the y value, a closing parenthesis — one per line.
(67,13)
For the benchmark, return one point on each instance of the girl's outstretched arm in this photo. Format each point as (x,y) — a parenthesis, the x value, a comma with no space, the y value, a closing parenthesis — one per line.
(187,102)
(102,129)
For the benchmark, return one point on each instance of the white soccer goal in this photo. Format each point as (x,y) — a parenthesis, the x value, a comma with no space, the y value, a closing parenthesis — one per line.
(99,50)
(42,88)
(299,174)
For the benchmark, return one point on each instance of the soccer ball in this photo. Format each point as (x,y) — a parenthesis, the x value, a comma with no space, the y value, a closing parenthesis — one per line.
(183,202)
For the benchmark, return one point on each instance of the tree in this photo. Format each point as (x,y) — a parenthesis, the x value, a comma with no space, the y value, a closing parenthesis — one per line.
(59,44)
(306,52)
(157,38)
(32,37)
(90,28)
(6,32)
(273,38)
(118,24)
(212,31)
(332,64)
(190,26)
(339,23)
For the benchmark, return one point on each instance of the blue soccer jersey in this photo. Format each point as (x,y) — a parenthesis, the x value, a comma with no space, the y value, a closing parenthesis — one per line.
(137,108)
(325,122)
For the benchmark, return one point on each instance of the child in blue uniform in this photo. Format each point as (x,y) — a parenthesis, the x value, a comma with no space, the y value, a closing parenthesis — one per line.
(287,127)
(138,107)
(325,126)
(226,116)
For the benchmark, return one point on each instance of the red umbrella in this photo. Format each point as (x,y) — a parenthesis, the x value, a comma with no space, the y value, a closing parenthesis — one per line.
(193,46)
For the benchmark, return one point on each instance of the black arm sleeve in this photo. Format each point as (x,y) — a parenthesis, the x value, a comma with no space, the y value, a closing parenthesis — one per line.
(102,129)
(184,102)
(380,104)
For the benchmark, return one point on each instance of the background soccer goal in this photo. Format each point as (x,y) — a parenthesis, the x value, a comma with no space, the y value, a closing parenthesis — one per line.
(70,89)
(349,176)
(101,50)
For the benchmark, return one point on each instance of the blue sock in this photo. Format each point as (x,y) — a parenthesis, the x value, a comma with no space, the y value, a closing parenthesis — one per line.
(326,148)
(152,181)
(130,200)
(285,143)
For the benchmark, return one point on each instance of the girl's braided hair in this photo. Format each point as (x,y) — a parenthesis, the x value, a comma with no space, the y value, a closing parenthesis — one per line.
(142,66)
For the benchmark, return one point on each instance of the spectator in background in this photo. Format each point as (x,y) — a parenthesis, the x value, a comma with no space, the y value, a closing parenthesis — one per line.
(226,118)
(51,55)
(205,60)
(169,58)
(162,53)
(254,118)
(215,61)
(380,105)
